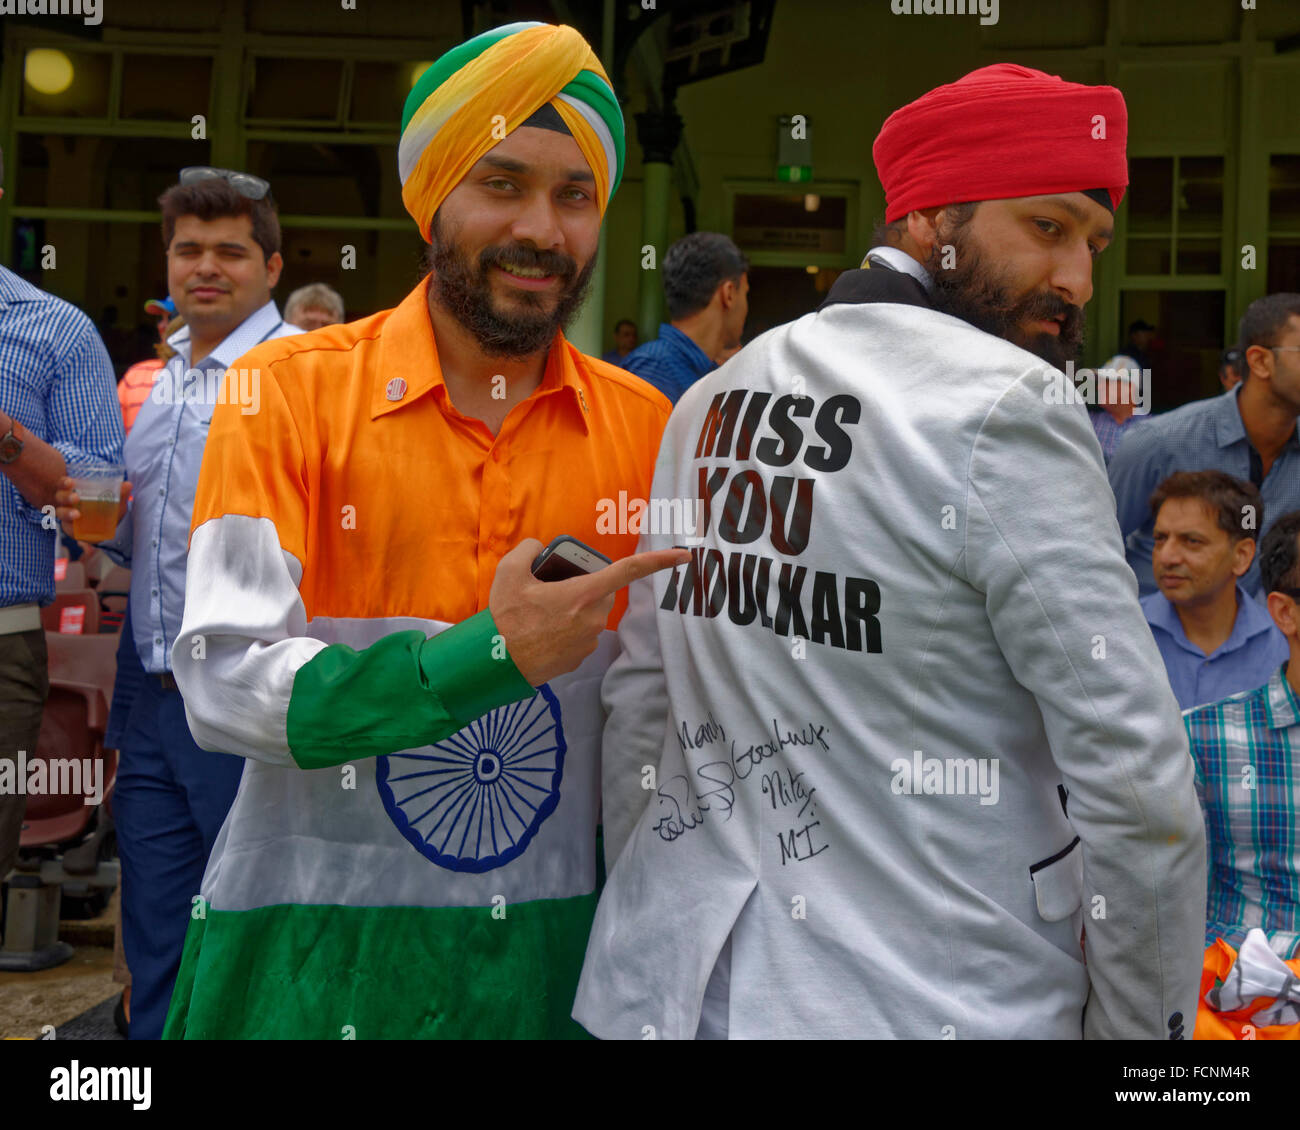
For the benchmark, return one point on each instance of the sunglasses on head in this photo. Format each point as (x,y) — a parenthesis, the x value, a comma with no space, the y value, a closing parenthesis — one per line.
(255,188)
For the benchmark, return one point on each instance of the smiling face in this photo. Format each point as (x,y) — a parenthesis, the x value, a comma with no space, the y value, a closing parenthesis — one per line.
(1023,269)
(216,274)
(1194,559)
(514,244)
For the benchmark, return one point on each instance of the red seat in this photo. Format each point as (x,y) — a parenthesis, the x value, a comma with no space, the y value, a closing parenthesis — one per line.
(112,592)
(51,614)
(74,578)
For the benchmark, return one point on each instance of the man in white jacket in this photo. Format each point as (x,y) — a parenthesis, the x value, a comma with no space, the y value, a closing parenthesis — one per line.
(898,733)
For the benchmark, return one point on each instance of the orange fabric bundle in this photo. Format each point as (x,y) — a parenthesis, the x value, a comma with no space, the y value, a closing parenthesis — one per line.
(1237,1024)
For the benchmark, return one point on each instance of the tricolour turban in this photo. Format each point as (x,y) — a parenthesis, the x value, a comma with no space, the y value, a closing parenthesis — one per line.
(473,96)
(1000,132)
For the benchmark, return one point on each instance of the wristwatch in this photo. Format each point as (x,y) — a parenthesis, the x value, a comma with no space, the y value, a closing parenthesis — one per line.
(11,445)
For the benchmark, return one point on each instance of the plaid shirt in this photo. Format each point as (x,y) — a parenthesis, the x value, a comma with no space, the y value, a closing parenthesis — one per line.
(1109,430)
(1247,754)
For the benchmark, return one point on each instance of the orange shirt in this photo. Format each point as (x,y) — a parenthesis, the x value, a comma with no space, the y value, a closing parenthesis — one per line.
(393,502)
(133,389)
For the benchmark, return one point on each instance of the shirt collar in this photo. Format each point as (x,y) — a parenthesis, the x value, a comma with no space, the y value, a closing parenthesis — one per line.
(1228,425)
(901,261)
(700,360)
(408,363)
(252,330)
(8,292)
(1251,620)
(1228,428)
(1283,706)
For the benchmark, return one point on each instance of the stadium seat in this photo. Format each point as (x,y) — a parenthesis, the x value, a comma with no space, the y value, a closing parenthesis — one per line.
(74,578)
(112,592)
(53,619)
(61,833)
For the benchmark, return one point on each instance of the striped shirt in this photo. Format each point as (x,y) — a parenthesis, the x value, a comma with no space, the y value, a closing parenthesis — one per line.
(1247,754)
(56,380)
(672,362)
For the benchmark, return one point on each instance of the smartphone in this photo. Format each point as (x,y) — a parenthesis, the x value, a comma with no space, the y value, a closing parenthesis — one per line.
(567,557)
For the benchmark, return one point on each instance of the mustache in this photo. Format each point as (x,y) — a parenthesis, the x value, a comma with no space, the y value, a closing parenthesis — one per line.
(516,255)
(1045,305)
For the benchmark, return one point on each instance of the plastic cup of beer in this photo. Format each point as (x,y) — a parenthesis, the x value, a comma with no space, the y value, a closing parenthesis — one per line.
(98,487)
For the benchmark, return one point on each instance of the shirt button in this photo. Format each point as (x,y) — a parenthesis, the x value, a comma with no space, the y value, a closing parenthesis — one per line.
(157,639)
(154,593)
(155,541)
(162,491)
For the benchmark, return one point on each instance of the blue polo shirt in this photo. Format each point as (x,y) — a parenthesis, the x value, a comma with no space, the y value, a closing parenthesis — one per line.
(1206,435)
(1244,661)
(672,362)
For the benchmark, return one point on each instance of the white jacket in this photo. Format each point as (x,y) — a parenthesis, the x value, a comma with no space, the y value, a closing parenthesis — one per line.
(876,816)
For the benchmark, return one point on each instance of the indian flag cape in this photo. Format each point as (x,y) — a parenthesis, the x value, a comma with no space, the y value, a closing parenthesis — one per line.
(412,850)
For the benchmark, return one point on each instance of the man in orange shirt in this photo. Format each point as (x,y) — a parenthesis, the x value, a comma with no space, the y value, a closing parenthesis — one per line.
(412,852)
(137,382)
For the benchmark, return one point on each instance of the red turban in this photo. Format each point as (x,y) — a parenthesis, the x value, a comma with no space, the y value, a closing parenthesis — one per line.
(1000,132)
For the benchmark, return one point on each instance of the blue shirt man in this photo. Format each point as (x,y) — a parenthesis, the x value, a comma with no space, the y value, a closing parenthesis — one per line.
(672,362)
(706,290)
(163,456)
(1248,432)
(57,383)
(222,238)
(58,405)
(1244,661)
(1215,640)
(624,342)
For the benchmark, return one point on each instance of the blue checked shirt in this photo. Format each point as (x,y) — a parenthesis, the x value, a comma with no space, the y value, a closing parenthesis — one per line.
(163,454)
(672,362)
(1206,435)
(1247,754)
(1109,430)
(56,380)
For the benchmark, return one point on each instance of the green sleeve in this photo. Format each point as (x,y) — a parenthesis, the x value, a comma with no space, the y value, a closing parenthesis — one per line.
(401,692)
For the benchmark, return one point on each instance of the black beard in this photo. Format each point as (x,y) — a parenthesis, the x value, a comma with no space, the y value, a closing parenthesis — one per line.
(465,292)
(976,293)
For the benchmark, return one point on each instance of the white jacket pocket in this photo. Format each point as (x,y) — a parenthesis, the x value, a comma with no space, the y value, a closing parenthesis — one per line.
(1058,883)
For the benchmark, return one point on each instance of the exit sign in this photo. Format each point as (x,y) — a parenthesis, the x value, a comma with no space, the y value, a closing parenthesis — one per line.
(794,173)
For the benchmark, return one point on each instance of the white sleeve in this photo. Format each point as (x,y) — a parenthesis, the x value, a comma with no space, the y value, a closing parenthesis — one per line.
(635,697)
(1043,545)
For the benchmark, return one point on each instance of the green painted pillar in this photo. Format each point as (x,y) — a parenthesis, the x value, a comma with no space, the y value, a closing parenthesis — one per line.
(659,133)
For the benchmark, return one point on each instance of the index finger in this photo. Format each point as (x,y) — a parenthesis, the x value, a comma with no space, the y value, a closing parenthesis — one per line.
(628,569)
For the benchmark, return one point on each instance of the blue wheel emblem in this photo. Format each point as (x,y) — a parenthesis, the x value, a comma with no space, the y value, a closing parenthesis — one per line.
(475,800)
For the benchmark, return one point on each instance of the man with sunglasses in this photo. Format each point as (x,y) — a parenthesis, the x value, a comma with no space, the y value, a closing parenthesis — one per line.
(1247,754)
(1249,432)
(222,239)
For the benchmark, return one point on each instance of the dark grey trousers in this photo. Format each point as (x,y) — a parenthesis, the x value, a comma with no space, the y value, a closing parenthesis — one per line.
(24,684)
